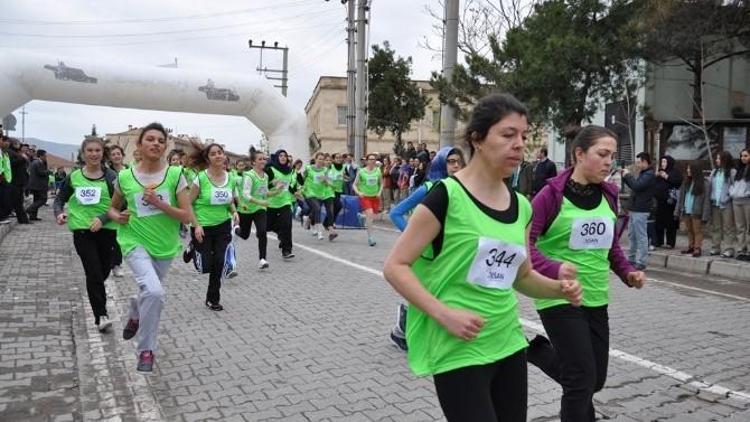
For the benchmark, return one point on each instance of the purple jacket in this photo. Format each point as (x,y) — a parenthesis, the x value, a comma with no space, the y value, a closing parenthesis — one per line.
(546,205)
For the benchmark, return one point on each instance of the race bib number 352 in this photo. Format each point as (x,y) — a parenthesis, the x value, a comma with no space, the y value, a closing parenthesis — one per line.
(496,263)
(89,195)
(592,233)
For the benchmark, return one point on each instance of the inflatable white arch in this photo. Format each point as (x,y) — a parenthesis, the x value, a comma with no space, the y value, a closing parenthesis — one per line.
(26,76)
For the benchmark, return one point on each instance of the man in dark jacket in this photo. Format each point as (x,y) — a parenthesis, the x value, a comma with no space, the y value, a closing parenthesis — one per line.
(38,184)
(19,167)
(543,169)
(640,207)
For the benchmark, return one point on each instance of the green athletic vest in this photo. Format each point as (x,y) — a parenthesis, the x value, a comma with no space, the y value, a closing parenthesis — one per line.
(259,191)
(315,185)
(369,182)
(6,167)
(337,179)
(582,238)
(148,226)
(285,197)
(475,271)
(213,204)
(90,199)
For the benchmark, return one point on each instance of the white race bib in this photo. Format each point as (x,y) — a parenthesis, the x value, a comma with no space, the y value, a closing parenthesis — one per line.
(90,195)
(592,233)
(143,209)
(318,177)
(372,181)
(220,196)
(262,189)
(496,263)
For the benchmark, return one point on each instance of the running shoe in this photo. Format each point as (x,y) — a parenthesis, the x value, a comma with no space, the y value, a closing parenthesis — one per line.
(117,271)
(371,241)
(130,329)
(401,318)
(320,236)
(287,255)
(306,222)
(727,253)
(332,236)
(232,274)
(399,342)
(5,221)
(262,264)
(145,362)
(103,323)
(189,253)
(214,306)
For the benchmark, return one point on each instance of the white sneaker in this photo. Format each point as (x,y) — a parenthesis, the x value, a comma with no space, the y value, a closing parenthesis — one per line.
(5,221)
(104,324)
(320,236)
(117,271)
(262,264)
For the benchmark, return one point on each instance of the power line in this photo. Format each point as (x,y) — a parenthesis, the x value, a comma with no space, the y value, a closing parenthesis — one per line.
(145,20)
(212,28)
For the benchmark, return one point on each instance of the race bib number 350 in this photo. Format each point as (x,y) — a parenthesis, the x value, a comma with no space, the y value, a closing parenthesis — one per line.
(221,196)
(496,263)
(144,209)
(89,195)
(592,233)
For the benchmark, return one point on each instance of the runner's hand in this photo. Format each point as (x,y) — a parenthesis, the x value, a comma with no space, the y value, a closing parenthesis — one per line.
(62,218)
(150,197)
(572,291)
(198,232)
(235,218)
(96,225)
(637,279)
(123,217)
(462,324)
(567,272)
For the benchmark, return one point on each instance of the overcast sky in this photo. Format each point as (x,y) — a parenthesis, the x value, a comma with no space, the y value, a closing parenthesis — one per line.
(202,35)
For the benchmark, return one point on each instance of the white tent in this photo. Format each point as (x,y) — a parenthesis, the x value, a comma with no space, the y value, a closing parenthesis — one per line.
(26,76)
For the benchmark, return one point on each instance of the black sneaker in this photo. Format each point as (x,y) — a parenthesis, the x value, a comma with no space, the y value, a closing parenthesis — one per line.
(287,255)
(214,306)
(130,329)
(401,317)
(145,362)
(189,253)
(399,342)
(103,323)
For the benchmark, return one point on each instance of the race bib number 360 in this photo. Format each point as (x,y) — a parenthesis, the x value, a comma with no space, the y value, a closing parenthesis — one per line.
(144,209)
(592,233)
(496,263)
(221,196)
(89,195)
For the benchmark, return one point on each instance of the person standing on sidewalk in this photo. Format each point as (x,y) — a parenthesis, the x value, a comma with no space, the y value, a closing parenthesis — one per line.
(88,192)
(666,188)
(252,197)
(116,158)
(694,208)
(368,185)
(212,195)
(740,194)
(283,177)
(38,184)
(6,177)
(463,325)
(640,208)
(19,168)
(722,214)
(543,170)
(575,234)
(157,198)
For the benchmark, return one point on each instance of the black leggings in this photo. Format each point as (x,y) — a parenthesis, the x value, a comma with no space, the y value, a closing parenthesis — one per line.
(578,357)
(212,250)
(95,250)
(246,222)
(315,206)
(665,224)
(280,222)
(485,393)
(337,206)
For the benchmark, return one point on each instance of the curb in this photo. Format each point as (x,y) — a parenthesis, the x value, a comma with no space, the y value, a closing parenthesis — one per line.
(718,267)
(5,229)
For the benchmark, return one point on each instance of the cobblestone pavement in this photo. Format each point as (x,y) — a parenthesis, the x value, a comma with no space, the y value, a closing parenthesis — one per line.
(307,341)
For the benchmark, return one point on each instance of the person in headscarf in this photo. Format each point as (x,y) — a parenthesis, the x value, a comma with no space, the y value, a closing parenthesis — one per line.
(666,189)
(281,176)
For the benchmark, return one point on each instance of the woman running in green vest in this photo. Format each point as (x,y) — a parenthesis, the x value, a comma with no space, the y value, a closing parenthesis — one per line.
(282,177)
(157,200)
(463,254)
(574,234)
(253,202)
(88,192)
(116,163)
(319,193)
(368,185)
(212,194)
(337,175)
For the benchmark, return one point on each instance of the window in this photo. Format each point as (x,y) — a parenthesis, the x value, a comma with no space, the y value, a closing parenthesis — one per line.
(436,120)
(341,115)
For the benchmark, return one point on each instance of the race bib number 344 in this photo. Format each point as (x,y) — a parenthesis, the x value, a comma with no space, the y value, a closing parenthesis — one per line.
(496,263)
(592,233)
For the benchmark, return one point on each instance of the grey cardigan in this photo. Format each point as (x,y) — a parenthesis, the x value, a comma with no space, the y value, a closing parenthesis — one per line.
(701,203)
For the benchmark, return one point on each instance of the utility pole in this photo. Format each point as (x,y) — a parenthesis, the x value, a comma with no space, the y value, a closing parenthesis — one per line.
(360,136)
(450,53)
(350,78)
(285,66)
(23,123)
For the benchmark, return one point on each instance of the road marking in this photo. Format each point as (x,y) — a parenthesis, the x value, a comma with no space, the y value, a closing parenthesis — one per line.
(698,289)
(683,377)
